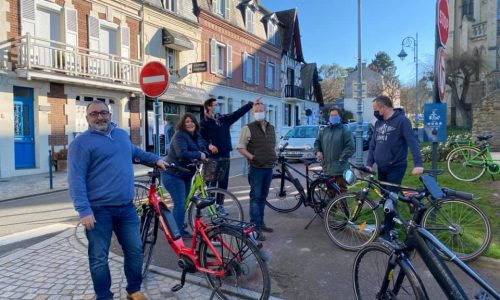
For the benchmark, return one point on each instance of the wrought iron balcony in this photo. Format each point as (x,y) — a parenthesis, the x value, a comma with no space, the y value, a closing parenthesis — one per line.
(293,91)
(32,57)
(479,30)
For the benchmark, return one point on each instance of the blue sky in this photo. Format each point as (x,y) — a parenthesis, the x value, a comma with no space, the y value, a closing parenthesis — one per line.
(329,30)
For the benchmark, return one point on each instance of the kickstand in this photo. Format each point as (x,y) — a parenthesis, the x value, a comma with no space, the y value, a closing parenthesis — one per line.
(492,177)
(179,286)
(309,224)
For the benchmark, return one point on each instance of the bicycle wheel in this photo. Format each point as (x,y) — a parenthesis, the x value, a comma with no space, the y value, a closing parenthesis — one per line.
(351,223)
(246,273)
(460,225)
(466,164)
(283,195)
(232,207)
(321,195)
(149,233)
(141,193)
(369,271)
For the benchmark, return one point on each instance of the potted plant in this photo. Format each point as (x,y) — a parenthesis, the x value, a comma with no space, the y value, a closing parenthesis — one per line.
(61,158)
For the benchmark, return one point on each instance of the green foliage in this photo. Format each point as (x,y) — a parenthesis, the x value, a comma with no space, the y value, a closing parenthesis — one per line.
(384,64)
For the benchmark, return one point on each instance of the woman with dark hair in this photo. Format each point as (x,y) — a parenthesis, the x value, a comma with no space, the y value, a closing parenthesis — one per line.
(187,144)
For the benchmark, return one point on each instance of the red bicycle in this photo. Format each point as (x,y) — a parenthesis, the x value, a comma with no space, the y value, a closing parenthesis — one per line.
(225,251)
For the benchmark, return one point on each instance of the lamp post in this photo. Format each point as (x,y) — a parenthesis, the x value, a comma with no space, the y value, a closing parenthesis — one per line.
(359,128)
(412,42)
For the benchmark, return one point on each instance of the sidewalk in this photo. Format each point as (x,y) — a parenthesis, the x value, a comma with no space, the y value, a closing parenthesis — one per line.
(57,268)
(31,185)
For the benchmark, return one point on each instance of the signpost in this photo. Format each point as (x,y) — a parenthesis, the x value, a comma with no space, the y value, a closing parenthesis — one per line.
(440,73)
(435,122)
(154,80)
(443,21)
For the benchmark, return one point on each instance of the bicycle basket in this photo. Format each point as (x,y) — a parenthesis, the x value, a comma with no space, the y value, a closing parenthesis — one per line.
(214,169)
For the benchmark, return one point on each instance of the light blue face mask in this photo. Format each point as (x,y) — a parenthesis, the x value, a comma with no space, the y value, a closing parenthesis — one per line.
(334,120)
(217,110)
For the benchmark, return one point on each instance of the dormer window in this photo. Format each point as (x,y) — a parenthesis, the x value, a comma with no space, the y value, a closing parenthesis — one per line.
(249,18)
(221,8)
(169,5)
(272,29)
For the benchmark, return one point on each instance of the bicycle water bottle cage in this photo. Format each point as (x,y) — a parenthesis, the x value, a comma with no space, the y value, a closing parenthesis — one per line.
(432,186)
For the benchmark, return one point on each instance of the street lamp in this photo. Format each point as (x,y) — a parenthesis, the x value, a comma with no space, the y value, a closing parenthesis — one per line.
(411,42)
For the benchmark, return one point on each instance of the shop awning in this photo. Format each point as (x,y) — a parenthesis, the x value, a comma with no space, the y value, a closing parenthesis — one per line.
(176,40)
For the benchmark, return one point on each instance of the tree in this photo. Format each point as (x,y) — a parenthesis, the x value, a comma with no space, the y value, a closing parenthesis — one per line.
(461,71)
(383,64)
(390,85)
(407,95)
(332,84)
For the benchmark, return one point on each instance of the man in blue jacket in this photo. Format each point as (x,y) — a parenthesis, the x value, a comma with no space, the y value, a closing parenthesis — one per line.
(389,145)
(215,130)
(101,185)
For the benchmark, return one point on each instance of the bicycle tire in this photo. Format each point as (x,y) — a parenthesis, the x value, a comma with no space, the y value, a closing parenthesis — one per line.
(321,195)
(246,272)
(345,232)
(148,237)
(232,207)
(141,194)
(460,170)
(367,281)
(472,234)
(289,197)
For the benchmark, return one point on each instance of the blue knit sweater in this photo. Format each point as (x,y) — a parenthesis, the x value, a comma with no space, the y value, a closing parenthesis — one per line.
(100,171)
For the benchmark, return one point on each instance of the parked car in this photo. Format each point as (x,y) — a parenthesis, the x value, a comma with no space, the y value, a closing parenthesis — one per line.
(300,141)
(367,133)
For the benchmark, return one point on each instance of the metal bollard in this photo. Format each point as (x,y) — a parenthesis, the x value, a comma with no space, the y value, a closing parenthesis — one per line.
(50,170)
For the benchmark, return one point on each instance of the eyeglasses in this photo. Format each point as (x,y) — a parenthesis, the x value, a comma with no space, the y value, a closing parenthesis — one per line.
(95,114)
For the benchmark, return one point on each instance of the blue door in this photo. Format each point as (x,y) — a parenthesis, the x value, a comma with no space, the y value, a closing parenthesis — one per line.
(24,139)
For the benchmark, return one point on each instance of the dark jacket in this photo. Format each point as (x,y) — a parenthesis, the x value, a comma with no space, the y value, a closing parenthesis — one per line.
(216,131)
(337,146)
(390,142)
(262,145)
(184,148)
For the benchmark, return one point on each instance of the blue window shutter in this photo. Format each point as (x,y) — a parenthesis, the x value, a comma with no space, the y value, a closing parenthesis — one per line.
(244,58)
(277,79)
(229,71)
(266,74)
(257,73)
(213,60)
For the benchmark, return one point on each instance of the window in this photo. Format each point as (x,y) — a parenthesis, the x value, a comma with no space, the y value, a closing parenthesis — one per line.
(221,7)
(221,60)
(171,60)
(169,4)
(229,105)
(468,8)
(271,75)
(250,69)
(287,121)
(249,18)
(271,31)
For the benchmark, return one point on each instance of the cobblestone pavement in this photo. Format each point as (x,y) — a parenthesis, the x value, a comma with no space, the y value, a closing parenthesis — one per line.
(57,268)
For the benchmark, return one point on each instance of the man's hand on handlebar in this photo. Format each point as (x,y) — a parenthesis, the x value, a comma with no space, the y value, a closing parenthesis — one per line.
(319,155)
(161,164)
(417,170)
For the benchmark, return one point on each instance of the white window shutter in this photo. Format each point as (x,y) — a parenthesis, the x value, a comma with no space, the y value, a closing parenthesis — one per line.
(125,41)
(215,5)
(71,26)
(227,9)
(256,70)
(277,78)
(94,30)
(229,71)
(213,56)
(28,17)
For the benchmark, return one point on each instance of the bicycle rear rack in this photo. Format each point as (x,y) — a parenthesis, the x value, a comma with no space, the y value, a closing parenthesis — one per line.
(233,224)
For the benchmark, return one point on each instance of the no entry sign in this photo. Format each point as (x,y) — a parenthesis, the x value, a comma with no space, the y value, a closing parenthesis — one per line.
(154,79)
(443,21)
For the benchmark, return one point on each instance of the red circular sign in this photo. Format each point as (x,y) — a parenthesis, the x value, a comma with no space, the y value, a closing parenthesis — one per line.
(440,72)
(443,21)
(154,79)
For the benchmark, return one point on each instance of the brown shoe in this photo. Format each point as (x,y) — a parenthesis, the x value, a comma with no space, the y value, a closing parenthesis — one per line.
(260,237)
(266,229)
(137,296)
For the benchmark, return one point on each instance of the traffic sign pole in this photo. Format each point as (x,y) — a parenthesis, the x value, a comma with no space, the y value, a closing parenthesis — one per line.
(157,126)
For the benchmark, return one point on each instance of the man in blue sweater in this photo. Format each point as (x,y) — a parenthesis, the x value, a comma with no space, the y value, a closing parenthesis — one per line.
(101,185)
(389,147)
(215,130)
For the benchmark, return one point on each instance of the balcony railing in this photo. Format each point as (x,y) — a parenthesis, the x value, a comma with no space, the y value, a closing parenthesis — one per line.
(479,30)
(293,91)
(52,56)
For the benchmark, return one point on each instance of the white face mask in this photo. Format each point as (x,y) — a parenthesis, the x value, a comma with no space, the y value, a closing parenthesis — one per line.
(259,116)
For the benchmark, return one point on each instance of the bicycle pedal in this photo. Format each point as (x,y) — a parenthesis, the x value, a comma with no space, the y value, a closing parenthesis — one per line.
(177,287)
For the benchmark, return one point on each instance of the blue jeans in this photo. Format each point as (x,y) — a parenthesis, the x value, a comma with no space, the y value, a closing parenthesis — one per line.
(393,175)
(260,181)
(178,188)
(124,222)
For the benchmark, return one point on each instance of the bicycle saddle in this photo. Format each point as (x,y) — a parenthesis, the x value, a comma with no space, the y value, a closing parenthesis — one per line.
(484,137)
(202,203)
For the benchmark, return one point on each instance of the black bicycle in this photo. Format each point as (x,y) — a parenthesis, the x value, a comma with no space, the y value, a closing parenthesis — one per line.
(383,269)
(287,193)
